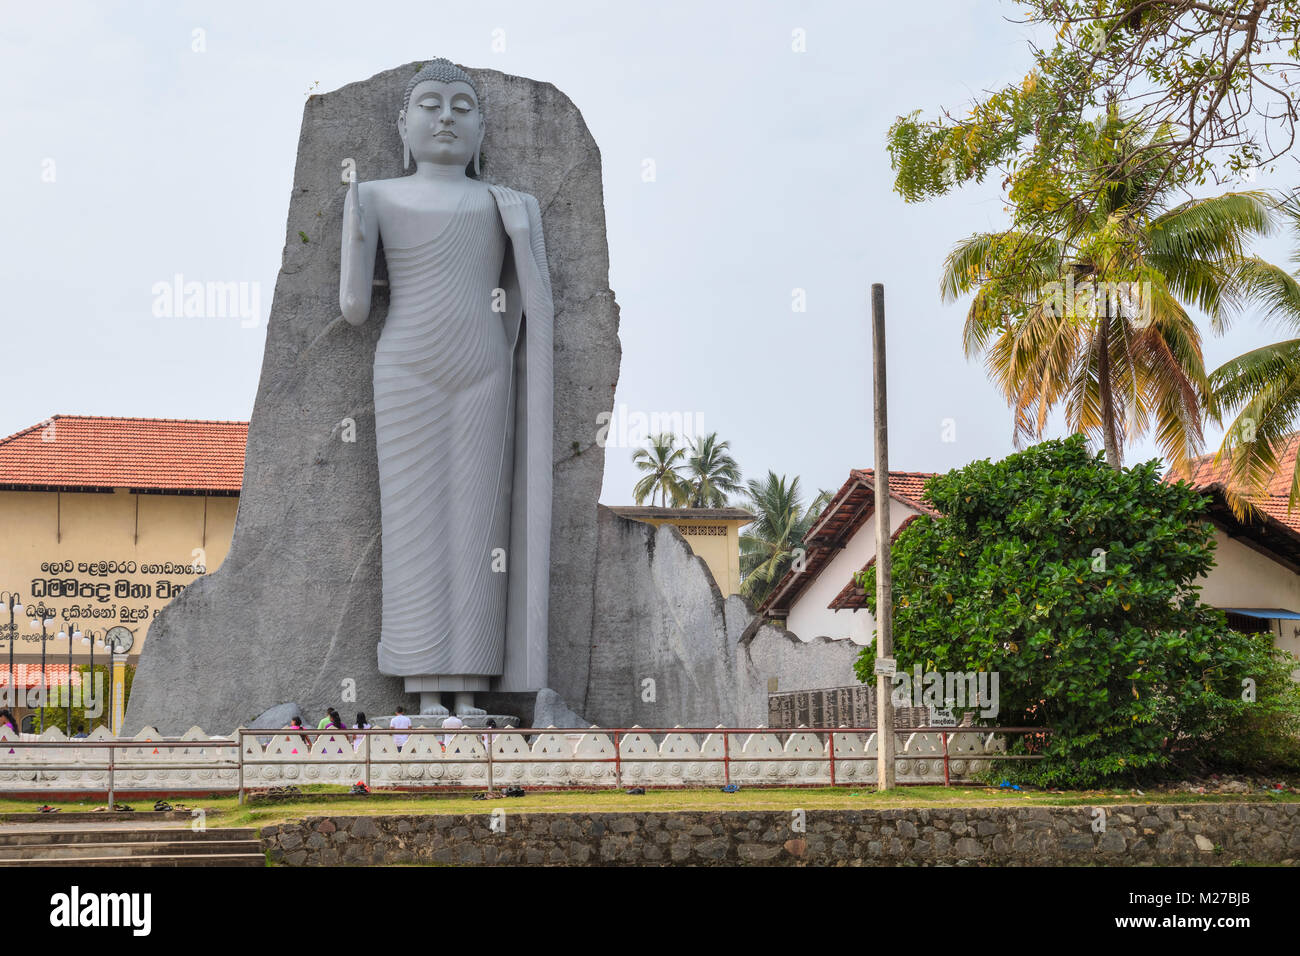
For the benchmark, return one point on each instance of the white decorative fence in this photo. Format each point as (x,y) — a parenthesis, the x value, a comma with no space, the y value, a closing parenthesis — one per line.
(675,757)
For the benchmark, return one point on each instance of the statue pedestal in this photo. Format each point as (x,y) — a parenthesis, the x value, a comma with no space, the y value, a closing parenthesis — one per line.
(431,703)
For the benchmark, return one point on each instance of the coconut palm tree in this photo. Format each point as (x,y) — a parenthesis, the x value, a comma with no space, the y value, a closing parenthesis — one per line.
(711,474)
(1260,390)
(1093,317)
(660,460)
(780,524)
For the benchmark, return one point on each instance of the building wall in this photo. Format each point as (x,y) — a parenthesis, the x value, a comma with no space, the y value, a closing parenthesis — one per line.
(116,547)
(1242,577)
(809,615)
(717,542)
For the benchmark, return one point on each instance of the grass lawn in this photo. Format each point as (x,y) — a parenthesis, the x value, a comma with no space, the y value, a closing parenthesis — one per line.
(323,799)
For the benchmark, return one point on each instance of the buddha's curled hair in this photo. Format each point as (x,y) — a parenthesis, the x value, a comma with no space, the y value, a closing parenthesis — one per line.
(444,71)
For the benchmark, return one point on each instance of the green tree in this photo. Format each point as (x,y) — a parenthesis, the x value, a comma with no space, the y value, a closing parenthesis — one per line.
(1093,316)
(1260,390)
(781,523)
(1075,583)
(660,461)
(95,691)
(711,474)
(1218,74)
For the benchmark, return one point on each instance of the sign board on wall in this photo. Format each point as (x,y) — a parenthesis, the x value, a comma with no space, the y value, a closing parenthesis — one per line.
(844,707)
(832,707)
(93,560)
(102,594)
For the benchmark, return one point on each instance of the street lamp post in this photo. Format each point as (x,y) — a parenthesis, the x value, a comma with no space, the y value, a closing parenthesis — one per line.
(47,616)
(11,600)
(91,638)
(69,634)
(119,640)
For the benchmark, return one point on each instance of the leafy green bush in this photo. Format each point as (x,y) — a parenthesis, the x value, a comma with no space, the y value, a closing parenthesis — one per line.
(1074,582)
(1266,736)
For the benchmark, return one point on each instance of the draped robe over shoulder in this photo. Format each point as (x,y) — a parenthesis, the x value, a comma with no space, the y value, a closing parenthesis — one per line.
(463,408)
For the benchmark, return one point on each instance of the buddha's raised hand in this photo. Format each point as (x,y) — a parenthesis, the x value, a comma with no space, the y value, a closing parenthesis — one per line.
(513,207)
(357,226)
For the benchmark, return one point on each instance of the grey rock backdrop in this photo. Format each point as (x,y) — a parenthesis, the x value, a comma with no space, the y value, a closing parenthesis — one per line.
(293,612)
(661,618)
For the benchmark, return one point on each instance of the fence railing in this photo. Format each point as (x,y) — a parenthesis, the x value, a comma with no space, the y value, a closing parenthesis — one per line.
(491,761)
(835,747)
(115,766)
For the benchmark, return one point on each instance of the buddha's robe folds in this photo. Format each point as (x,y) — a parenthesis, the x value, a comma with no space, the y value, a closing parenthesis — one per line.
(463,408)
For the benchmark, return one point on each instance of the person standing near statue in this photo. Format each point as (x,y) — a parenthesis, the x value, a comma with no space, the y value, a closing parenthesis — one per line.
(295,723)
(361,724)
(463,399)
(399,721)
(451,723)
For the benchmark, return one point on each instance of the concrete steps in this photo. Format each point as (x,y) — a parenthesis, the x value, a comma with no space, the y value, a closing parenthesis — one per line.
(25,836)
(145,817)
(110,845)
(216,859)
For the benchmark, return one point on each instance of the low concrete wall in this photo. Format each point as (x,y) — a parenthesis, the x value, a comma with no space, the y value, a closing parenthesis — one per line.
(1206,834)
(551,758)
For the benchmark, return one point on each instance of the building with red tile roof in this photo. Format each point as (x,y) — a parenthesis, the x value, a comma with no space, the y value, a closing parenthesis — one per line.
(1256,574)
(840,542)
(98,453)
(1255,580)
(106,520)
(1208,475)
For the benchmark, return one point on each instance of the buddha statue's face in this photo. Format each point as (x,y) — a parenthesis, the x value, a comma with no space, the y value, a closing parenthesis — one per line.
(442,123)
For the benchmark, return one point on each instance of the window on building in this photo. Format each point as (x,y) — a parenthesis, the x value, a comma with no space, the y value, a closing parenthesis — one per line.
(1249,625)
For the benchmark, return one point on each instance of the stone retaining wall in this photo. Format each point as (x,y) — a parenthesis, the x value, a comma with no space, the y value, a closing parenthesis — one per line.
(1205,834)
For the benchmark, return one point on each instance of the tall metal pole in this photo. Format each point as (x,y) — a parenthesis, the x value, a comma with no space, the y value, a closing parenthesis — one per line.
(91,636)
(884,567)
(13,603)
(108,646)
(70,632)
(45,689)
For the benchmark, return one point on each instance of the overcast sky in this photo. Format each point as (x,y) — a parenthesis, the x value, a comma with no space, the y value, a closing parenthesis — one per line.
(770,176)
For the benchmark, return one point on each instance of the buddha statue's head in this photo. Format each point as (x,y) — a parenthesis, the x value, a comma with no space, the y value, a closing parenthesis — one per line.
(441,119)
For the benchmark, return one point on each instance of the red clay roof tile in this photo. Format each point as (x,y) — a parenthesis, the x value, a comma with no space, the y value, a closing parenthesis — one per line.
(847,511)
(148,454)
(29,675)
(1204,473)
